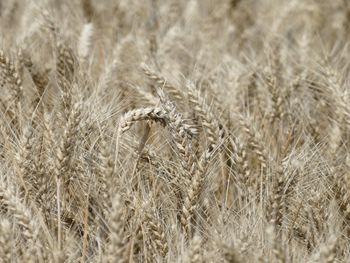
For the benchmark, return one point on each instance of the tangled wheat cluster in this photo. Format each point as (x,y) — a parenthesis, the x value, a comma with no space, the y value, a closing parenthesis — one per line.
(174,131)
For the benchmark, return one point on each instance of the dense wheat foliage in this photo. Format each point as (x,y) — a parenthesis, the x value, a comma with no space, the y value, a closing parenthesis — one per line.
(174,131)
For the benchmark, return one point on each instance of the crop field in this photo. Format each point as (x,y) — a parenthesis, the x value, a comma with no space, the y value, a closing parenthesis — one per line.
(180,131)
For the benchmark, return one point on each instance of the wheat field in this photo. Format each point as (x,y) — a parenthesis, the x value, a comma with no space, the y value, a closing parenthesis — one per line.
(175,131)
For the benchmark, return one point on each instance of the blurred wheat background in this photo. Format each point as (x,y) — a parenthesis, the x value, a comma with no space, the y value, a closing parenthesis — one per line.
(174,131)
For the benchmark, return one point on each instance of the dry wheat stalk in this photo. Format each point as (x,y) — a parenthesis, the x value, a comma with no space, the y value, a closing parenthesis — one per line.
(7,244)
(116,247)
(19,211)
(151,113)
(194,252)
(157,233)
